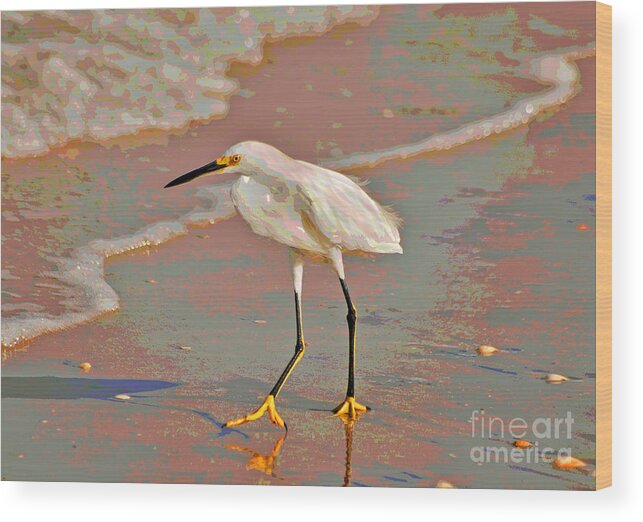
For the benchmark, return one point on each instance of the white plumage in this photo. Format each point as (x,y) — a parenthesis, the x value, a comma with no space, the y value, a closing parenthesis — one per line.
(309,207)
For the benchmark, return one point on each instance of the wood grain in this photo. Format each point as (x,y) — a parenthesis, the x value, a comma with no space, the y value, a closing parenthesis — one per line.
(603,245)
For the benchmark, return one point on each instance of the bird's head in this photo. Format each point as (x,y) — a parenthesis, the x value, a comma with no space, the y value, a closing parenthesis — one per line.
(243,158)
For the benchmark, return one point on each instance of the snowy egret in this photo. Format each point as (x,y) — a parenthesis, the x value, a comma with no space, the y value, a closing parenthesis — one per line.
(316,212)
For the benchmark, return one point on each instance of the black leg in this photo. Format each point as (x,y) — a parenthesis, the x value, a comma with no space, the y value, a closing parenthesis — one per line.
(268,404)
(351,319)
(350,406)
(300,348)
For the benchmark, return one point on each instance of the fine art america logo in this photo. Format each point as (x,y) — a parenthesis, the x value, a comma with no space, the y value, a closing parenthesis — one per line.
(532,440)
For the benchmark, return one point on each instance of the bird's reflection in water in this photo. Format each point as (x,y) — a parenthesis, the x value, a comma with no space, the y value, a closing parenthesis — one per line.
(349,426)
(266,463)
(263,463)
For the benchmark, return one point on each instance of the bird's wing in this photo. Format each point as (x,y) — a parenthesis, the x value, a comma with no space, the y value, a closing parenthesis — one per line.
(270,212)
(344,213)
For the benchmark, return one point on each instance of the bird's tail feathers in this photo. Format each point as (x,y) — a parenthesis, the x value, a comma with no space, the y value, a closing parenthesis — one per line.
(391,215)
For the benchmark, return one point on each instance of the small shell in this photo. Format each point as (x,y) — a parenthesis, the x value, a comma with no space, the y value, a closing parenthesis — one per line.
(122,397)
(555,378)
(522,444)
(151,281)
(85,366)
(444,484)
(486,350)
(185,348)
(259,321)
(568,462)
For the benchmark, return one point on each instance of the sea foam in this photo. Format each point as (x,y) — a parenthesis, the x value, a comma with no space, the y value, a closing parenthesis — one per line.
(101,74)
(84,270)
(557,70)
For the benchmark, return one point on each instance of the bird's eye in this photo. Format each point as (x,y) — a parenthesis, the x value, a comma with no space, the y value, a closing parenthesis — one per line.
(236,158)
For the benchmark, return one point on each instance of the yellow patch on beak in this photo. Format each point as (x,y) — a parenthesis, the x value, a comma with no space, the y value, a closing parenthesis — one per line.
(229,161)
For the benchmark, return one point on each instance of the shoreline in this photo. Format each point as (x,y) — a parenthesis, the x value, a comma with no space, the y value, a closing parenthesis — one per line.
(93,256)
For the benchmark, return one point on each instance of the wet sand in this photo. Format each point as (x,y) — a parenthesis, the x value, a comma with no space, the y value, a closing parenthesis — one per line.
(498,239)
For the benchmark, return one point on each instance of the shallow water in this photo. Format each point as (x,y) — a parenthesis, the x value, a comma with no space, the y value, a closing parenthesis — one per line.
(494,254)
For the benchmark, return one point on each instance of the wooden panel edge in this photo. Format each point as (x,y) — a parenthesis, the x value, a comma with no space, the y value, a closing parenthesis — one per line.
(603,245)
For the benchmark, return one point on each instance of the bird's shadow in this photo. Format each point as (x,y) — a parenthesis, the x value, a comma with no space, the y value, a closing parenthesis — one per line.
(74,388)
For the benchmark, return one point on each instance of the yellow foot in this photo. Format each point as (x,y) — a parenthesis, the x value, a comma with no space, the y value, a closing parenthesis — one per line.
(349,407)
(267,406)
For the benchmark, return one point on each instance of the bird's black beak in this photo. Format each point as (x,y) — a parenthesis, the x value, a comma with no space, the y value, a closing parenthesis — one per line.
(217,164)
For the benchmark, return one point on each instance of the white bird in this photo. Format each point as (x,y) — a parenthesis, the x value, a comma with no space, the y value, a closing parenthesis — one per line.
(317,213)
